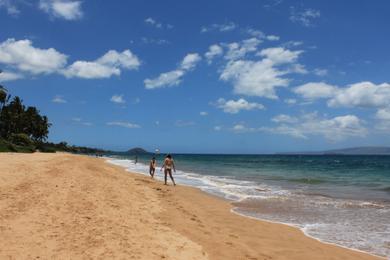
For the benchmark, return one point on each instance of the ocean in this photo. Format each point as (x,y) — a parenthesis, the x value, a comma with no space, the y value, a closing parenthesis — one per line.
(339,199)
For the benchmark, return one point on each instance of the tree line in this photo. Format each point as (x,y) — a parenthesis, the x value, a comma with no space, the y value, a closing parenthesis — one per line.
(24,129)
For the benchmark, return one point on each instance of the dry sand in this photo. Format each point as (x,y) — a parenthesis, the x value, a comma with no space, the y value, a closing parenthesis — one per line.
(74,207)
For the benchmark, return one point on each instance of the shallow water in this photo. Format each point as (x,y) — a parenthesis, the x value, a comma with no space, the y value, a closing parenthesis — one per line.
(338,199)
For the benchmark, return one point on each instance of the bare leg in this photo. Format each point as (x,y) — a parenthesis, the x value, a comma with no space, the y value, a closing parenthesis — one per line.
(165,176)
(170,175)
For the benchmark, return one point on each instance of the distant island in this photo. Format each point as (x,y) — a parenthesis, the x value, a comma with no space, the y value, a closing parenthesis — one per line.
(363,150)
(137,150)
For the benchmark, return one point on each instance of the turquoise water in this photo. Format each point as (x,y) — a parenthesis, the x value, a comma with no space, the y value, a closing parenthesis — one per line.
(337,199)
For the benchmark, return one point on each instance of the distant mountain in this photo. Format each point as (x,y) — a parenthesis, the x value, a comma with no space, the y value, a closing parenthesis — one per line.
(364,150)
(137,150)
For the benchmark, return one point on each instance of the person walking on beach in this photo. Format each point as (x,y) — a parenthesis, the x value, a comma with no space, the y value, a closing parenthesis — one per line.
(152,167)
(168,165)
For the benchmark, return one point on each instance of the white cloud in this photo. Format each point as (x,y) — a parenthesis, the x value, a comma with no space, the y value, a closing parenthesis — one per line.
(240,128)
(65,9)
(290,101)
(9,76)
(190,61)
(280,55)
(80,121)
(59,100)
(167,79)
(362,94)
(125,59)
(10,6)
(106,66)
(333,129)
(315,90)
(117,99)
(90,70)
(273,38)
(217,128)
(321,72)
(154,41)
(203,113)
(153,22)
(214,51)
(123,124)
(305,17)
(174,77)
(284,119)
(238,50)
(226,27)
(233,107)
(256,33)
(25,57)
(383,114)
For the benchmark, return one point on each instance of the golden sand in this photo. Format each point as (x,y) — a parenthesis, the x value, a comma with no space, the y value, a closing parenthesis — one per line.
(65,206)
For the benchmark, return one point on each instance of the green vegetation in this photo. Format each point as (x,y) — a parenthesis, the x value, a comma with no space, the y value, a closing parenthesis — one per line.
(23,129)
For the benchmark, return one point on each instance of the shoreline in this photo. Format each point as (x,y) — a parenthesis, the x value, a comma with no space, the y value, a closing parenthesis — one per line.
(63,205)
(232,210)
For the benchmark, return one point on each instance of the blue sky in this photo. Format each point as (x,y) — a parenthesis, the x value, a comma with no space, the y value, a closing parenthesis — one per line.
(200,76)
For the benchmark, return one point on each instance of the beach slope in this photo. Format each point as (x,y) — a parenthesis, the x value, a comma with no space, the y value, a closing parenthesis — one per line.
(68,206)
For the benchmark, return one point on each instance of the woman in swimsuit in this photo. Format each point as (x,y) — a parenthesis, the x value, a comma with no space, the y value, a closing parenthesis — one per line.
(168,165)
(152,167)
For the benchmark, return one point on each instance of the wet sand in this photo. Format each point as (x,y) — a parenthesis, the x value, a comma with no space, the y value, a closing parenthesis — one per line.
(68,206)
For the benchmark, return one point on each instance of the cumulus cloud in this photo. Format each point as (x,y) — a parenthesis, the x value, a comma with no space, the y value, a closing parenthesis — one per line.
(65,9)
(333,129)
(190,61)
(174,77)
(226,27)
(117,99)
(166,79)
(316,90)
(214,51)
(9,76)
(262,77)
(59,100)
(282,118)
(123,124)
(383,115)
(235,106)
(304,17)
(362,94)
(272,37)
(106,66)
(237,50)
(25,57)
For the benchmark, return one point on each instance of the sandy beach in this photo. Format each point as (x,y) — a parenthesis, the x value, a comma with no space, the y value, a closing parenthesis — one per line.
(66,206)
